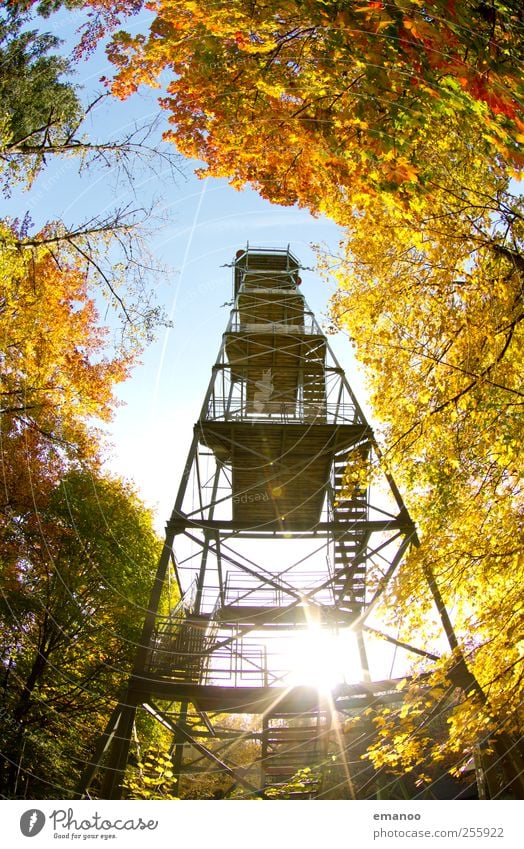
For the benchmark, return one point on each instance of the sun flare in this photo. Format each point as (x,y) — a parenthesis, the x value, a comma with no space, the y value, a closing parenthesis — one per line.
(319,658)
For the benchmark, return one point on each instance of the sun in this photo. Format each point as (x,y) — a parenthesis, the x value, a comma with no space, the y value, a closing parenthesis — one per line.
(319,657)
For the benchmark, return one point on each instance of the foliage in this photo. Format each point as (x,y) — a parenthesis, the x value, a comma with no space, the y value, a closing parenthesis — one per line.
(37,108)
(317,101)
(70,589)
(56,375)
(41,118)
(115,262)
(302,784)
(152,777)
(73,599)
(77,548)
(432,297)
(150,773)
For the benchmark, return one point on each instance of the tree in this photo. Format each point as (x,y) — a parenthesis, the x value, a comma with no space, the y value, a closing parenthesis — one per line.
(150,774)
(116,264)
(317,101)
(432,298)
(41,117)
(38,109)
(77,548)
(73,601)
(42,114)
(72,592)
(56,374)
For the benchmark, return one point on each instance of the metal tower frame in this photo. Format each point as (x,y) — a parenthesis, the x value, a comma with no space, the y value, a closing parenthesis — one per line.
(283,525)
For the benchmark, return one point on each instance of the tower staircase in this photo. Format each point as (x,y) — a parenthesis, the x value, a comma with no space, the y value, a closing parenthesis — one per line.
(350,516)
(294,751)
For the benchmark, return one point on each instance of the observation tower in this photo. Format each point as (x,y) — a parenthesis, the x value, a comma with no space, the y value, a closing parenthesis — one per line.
(283,537)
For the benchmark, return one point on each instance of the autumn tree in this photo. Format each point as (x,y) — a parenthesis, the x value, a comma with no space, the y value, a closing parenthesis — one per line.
(74,593)
(150,772)
(57,373)
(76,547)
(43,117)
(318,100)
(432,297)
(69,581)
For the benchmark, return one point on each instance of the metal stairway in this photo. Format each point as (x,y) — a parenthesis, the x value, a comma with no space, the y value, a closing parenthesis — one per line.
(351,511)
(294,750)
(313,383)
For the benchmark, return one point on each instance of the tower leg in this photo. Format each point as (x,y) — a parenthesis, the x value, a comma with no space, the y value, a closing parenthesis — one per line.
(102,747)
(114,772)
(179,746)
(364,661)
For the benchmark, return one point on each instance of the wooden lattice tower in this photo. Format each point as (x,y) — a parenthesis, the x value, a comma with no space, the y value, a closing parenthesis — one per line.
(276,536)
